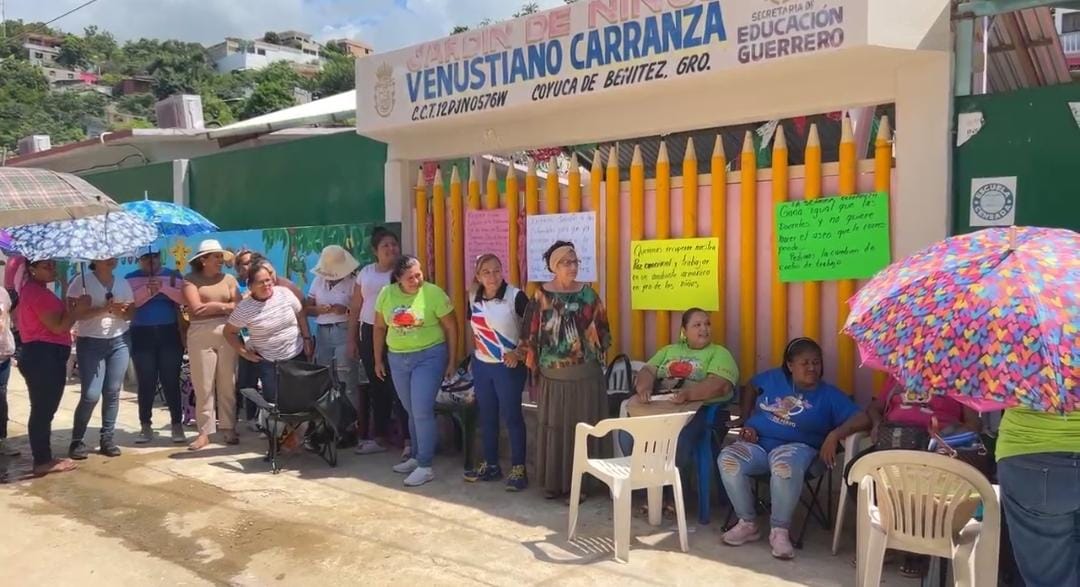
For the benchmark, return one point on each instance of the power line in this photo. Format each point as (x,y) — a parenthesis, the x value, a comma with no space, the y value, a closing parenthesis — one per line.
(73,10)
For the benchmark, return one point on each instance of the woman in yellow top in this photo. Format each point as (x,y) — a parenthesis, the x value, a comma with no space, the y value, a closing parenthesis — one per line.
(415,320)
(1039,472)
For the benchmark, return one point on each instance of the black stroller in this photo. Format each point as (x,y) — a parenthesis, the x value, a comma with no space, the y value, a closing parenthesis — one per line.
(308,394)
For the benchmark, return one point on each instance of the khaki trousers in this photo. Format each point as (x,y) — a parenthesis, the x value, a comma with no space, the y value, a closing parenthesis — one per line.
(213,374)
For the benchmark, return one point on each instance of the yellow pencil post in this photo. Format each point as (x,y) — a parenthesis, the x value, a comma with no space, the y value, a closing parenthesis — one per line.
(748,259)
(690,191)
(513,209)
(611,258)
(532,208)
(551,187)
(718,177)
(845,288)
(457,263)
(422,222)
(438,218)
(596,193)
(883,162)
(637,232)
(779,290)
(474,186)
(491,197)
(663,231)
(812,191)
(573,188)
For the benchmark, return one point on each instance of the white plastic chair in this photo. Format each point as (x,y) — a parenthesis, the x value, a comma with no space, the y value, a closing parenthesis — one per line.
(924,503)
(651,466)
(852,446)
(619,382)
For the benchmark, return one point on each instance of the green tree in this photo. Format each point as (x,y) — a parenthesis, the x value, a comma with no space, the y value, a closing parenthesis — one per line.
(180,68)
(74,53)
(11,45)
(101,46)
(215,110)
(272,38)
(273,91)
(338,75)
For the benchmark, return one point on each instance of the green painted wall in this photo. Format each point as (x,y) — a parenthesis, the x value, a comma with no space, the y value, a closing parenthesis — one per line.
(128,184)
(336,179)
(1029,134)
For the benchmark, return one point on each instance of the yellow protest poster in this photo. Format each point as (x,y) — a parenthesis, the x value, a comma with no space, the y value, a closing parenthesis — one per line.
(674,274)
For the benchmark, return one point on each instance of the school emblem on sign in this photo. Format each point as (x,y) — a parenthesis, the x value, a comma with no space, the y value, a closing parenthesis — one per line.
(993,201)
(385,89)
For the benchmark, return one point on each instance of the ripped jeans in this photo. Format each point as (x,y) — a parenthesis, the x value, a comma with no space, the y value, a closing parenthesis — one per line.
(786,466)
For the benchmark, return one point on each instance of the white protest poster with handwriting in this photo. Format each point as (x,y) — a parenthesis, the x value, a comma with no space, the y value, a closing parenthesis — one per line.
(542,230)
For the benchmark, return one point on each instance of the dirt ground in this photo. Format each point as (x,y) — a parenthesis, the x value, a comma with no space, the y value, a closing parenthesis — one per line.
(164,516)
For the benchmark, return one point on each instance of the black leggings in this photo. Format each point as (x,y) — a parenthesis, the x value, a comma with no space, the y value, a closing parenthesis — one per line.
(382,398)
(44,368)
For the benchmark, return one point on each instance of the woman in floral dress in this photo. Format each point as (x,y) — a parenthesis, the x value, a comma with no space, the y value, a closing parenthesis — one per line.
(566,336)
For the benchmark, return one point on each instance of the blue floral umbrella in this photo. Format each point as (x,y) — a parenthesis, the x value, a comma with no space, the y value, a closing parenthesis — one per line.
(96,237)
(170,219)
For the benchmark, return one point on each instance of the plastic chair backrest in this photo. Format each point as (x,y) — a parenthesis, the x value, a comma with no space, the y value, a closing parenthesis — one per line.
(924,497)
(655,440)
(618,374)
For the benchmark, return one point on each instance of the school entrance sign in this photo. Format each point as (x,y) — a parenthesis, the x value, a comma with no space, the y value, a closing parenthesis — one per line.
(593,47)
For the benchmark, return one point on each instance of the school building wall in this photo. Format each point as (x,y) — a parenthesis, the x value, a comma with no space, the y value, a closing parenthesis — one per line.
(1029,134)
(333,179)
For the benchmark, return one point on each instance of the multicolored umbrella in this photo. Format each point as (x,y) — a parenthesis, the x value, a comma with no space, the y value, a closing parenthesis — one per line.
(170,219)
(86,239)
(31,196)
(990,318)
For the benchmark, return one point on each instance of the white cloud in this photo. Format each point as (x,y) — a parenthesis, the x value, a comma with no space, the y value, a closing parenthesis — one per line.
(386,24)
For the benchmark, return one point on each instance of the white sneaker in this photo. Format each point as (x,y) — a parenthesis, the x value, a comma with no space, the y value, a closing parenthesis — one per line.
(780,542)
(406,466)
(419,476)
(369,447)
(742,533)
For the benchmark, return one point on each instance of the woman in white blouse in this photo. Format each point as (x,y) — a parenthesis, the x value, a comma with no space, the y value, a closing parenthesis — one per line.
(328,301)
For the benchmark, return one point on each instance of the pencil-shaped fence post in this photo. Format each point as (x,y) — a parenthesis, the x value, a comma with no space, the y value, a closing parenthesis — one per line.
(845,288)
(812,191)
(663,231)
(779,311)
(457,263)
(718,177)
(474,185)
(883,162)
(690,191)
(491,197)
(513,210)
(573,190)
(551,187)
(438,235)
(422,222)
(748,259)
(637,232)
(611,258)
(532,208)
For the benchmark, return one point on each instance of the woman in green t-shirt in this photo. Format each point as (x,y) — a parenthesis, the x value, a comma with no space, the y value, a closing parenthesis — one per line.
(415,320)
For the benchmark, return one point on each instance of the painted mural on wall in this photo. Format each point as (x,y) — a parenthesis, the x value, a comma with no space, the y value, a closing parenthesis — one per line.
(293,251)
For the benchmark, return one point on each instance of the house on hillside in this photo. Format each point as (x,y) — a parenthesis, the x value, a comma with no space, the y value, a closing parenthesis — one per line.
(42,50)
(136,84)
(238,54)
(353,47)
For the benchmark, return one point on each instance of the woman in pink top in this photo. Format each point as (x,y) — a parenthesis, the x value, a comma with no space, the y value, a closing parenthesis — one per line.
(918,408)
(45,325)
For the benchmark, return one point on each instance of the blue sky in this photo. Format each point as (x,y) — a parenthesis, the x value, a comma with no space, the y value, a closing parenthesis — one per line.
(386,24)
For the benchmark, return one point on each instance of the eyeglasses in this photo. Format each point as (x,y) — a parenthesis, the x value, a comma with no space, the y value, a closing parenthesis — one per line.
(570,263)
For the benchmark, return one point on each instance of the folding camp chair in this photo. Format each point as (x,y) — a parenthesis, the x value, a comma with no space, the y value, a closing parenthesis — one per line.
(307,393)
(818,477)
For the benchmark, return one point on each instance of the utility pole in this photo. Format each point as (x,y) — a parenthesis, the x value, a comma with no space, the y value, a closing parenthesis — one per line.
(3,21)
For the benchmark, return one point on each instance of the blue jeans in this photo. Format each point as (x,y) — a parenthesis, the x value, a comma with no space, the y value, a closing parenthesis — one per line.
(103,362)
(331,350)
(5,374)
(1041,494)
(417,378)
(498,392)
(44,368)
(786,466)
(158,355)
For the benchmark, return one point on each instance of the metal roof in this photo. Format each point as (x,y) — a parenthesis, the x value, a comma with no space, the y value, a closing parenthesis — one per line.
(1025,51)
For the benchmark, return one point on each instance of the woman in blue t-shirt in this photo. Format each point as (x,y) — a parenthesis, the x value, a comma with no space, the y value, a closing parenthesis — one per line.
(790,419)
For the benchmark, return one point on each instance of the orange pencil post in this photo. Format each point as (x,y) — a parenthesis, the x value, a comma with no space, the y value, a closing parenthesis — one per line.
(779,289)
(513,209)
(532,208)
(812,289)
(422,222)
(663,231)
(611,258)
(845,289)
(637,232)
(551,187)
(748,259)
(573,188)
(438,218)
(491,197)
(883,163)
(457,262)
(474,186)
(690,191)
(718,177)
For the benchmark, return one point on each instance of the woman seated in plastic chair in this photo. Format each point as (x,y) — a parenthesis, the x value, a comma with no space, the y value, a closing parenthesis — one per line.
(791,419)
(683,377)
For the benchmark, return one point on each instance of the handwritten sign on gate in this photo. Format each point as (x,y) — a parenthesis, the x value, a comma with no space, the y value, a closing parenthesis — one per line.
(675,274)
(486,231)
(542,230)
(833,238)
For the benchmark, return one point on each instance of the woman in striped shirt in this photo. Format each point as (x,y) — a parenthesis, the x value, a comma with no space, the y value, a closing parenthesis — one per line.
(277,331)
